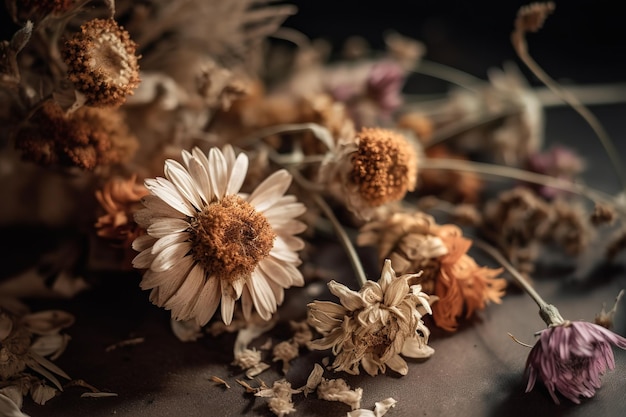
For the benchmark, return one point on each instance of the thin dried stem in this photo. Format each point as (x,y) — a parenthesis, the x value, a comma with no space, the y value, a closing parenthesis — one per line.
(521,48)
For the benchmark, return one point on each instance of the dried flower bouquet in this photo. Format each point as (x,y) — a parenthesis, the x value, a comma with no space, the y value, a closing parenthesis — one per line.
(188,150)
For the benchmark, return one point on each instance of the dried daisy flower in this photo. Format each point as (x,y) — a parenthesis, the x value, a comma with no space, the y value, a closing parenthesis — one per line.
(102,63)
(280,402)
(463,287)
(406,239)
(86,138)
(377,167)
(206,244)
(570,357)
(373,326)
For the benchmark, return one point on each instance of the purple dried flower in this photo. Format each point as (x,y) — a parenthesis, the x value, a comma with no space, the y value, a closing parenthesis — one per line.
(384,84)
(570,358)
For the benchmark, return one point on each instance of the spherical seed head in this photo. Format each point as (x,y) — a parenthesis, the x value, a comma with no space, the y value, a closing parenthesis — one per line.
(384,167)
(102,63)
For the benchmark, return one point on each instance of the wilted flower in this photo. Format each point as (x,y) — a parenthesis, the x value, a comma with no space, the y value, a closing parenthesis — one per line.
(377,167)
(557,161)
(120,198)
(406,239)
(207,242)
(373,326)
(86,138)
(570,357)
(339,390)
(462,285)
(102,63)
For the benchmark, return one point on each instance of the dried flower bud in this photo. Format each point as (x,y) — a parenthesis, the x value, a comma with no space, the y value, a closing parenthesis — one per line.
(605,318)
(102,63)
(602,214)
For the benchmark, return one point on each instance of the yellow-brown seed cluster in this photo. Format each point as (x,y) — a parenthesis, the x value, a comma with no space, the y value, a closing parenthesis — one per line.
(86,138)
(102,63)
(384,167)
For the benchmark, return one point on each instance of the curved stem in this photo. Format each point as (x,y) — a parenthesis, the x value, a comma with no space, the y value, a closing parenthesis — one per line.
(518,174)
(548,313)
(449,74)
(521,48)
(344,239)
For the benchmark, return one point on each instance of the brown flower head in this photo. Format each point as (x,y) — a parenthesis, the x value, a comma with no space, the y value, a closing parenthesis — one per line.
(373,326)
(462,285)
(377,167)
(102,63)
(86,138)
(406,239)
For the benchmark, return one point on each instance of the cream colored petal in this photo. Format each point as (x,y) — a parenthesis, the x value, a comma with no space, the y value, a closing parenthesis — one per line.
(294,243)
(281,273)
(387,275)
(179,176)
(159,208)
(167,192)
(169,240)
(184,299)
(237,174)
(328,307)
(41,393)
(246,304)
(202,157)
(291,227)
(282,213)
(398,364)
(186,330)
(262,296)
(164,226)
(143,242)
(369,365)
(167,282)
(278,291)
(281,251)
(228,306)
(201,179)
(349,299)
(395,292)
(270,190)
(238,285)
(218,172)
(144,259)
(208,301)
(170,256)
(415,348)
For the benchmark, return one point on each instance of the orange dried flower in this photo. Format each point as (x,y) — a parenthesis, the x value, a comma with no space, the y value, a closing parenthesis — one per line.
(86,138)
(120,198)
(102,63)
(462,285)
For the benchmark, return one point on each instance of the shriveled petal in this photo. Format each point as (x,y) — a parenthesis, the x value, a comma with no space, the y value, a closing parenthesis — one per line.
(398,364)
(262,295)
(349,299)
(415,348)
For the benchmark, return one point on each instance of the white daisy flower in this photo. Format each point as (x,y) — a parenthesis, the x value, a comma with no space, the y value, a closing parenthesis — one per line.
(207,243)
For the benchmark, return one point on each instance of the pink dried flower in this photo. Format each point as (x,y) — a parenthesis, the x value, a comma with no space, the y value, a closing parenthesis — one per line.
(384,85)
(570,357)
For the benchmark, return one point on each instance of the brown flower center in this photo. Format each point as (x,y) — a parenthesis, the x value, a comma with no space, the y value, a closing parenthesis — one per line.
(230,238)
(383,167)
